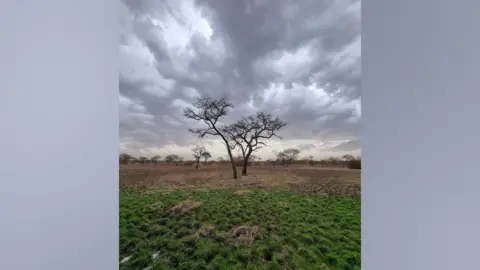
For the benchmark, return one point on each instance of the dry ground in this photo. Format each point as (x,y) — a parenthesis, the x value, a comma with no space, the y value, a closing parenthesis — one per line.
(303,179)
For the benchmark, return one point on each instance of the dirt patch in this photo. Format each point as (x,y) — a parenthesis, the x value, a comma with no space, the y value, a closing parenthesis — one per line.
(305,180)
(328,188)
(241,192)
(244,234)
(205,231)
(185,207)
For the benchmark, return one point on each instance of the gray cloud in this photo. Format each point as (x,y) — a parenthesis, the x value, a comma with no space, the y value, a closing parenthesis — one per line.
(346,146)
(297,59)
(306,147)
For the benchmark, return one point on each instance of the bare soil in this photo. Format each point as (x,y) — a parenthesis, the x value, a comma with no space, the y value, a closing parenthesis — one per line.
(300,178)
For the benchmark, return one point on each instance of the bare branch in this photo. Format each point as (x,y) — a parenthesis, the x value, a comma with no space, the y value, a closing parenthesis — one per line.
(210,111)
(253,130)
(251,133)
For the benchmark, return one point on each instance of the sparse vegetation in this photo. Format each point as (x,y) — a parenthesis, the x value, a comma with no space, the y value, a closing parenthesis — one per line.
(355,163)
(143,160)
(155,159)
(172,158)
(125,158)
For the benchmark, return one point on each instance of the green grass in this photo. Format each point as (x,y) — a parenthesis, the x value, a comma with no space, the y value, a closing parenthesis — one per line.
(296,231)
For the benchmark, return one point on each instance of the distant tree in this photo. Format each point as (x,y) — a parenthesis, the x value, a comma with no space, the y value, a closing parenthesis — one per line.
(142,160)
(210,111)
(172,158)
(238,160)
(270,161)
(281,158)
(155,159)
(347,158)
(125,158)
(178,161)
(290,155)
(355,163)
(206,155)
(253,159)
(198,152)
(333,161)
(259,160)
(252,132)
(311,161)
(305,160)
(220,160)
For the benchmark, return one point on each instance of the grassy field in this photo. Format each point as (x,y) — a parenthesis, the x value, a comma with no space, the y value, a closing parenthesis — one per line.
(173,217)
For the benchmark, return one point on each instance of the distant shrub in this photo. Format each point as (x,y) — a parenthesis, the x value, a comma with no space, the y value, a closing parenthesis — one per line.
(354,164)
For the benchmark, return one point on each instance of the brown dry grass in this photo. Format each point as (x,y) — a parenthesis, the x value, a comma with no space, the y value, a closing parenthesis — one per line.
(185,207)
(241,192)
(304,179)
(205,231)
(244,234)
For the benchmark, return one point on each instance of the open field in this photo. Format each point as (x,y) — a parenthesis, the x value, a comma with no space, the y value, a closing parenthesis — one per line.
(304,179)
(176,217)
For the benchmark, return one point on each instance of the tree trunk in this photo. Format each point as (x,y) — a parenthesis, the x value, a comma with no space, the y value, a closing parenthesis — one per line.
(234,167)
(198,161)
(245,163)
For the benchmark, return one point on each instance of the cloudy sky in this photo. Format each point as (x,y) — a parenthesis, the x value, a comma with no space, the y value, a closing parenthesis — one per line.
(299,60)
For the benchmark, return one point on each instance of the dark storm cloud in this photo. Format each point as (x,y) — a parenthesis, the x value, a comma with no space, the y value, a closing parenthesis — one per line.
(297,59)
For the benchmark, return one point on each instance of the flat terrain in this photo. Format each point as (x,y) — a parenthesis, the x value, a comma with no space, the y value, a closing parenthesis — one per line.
(305,179)
(176,217)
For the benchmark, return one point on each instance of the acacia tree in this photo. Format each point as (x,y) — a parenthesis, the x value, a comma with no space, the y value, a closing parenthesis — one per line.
(198,152)
(347,158)
(125,158)
(251,133)
(333,161)
(282,158)
(143,160)
(178,160)
(172,158)
(305,160)
(206,155)
(308,160)
(290,155)
(210,111)
(155,159)
(311,161)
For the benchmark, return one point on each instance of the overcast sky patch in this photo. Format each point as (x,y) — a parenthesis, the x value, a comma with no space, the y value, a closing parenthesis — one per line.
(299,60)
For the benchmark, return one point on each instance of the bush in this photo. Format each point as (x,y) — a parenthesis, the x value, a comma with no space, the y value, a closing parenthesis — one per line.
(354,164)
